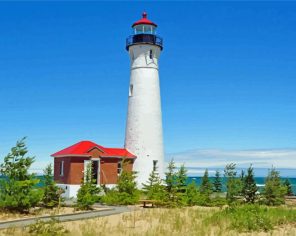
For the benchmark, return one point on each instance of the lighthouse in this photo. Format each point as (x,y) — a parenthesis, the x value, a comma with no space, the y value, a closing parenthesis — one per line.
(144,136)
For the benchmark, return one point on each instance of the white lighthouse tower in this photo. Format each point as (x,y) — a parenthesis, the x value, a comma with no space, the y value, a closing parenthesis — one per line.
(144,120)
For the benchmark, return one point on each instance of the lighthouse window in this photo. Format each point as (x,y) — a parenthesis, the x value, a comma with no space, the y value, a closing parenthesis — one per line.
(131,90)
(119,167)
(155,165)
(147,29)
(139,29)
(151,54)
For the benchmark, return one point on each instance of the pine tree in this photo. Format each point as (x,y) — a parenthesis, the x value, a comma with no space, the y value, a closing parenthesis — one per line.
(217,182)
(172,196)
(192,194)
(288,187)
(233,183)
(181,178)
(154,188)
(88,193)
(170,179)
(51,192)
(126,192)
(127,188)
(249,186)
(274,191)
(242,175)
(18,190)
(206,185)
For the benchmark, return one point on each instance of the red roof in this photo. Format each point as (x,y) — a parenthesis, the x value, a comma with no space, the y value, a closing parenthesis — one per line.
(84,147)
(144,21)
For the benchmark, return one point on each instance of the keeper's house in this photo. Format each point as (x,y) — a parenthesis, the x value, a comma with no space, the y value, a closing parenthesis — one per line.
(107,163)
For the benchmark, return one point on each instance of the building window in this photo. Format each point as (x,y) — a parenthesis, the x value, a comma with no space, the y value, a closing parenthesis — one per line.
(62,168)
(119,167)
(131,90)
(155,165)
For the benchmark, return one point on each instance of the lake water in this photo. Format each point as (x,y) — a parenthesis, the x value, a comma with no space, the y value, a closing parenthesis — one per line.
(259,181)
(197,179)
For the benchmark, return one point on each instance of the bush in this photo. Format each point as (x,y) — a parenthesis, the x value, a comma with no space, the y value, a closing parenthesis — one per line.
(18,190)
(125,193)
(111,197)
(195,198)
(51,192)
(192,194)
(274,191)
(252,217)
(249,218)
(218,201)
(51,228)
(288,186)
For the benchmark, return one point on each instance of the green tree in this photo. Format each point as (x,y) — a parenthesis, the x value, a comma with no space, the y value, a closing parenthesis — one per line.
(51,192)
(126,192)
(233,184)
(242,175)
(154,189)
(206,185)
(181,178)
(288,187)
(192,194)
(171,185)
(88,193)
(170,177)
(18,190)
(127,188)
(274,191)
(249,186)
(175,182)
(217,182)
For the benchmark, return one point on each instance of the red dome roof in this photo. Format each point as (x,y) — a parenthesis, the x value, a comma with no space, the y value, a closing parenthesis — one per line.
(144,21)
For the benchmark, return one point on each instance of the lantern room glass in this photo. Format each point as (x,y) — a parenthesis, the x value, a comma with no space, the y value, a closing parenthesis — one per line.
(144,29)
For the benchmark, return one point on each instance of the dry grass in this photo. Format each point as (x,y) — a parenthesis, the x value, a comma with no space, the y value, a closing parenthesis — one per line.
(185,221)
(5,216)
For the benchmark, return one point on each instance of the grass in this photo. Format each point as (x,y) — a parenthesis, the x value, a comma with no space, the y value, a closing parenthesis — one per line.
(243,220)
(247,218)
(34,212)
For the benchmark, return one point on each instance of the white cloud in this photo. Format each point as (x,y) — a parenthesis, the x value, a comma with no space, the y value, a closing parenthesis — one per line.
(218,158)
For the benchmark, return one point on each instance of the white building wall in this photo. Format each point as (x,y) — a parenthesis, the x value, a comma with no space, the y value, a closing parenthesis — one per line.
(144,119)
(71,190)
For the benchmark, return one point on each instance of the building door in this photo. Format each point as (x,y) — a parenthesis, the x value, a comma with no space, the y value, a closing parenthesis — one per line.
(95,170)
(86,164)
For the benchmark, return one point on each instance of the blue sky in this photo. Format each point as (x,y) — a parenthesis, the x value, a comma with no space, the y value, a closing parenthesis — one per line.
(227,71)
